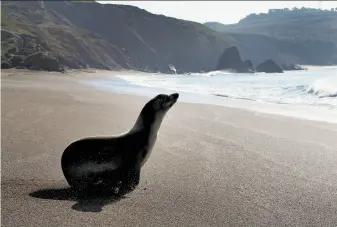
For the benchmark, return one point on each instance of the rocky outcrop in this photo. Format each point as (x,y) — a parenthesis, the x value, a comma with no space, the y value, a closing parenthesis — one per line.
(41,61)
(27,51)
(231,60)
(249,65)
(16,60)
(269,66)
(5,64)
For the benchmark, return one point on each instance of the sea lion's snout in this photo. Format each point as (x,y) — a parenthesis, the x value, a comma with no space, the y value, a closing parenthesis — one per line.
(174,96)
(164,102)
(171,100)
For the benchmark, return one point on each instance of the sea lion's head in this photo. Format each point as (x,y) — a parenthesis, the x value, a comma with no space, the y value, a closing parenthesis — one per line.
(162,102)
(154,111)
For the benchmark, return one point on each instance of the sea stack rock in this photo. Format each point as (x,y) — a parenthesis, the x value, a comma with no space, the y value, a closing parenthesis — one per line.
(231,60)
(249,65)
(269,66)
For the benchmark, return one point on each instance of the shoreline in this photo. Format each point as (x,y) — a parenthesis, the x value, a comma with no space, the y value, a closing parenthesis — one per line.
(211,165)
(309,113)
(272,113)
(93,75)
(79,76)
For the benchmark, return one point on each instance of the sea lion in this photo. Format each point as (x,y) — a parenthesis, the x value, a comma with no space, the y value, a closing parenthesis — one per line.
(115,162)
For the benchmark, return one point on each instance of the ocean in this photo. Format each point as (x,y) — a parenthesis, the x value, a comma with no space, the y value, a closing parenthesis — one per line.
(310,94)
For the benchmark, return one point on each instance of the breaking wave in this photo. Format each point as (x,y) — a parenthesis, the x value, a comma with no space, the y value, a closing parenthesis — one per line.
(324,88)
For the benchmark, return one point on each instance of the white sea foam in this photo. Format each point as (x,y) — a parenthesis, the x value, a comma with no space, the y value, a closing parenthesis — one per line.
(324,87)
(300,93)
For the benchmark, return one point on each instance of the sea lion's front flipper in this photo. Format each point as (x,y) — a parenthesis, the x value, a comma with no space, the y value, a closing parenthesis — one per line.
(130,176)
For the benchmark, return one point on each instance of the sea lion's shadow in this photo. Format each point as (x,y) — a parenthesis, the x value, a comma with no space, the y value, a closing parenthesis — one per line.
(86,201)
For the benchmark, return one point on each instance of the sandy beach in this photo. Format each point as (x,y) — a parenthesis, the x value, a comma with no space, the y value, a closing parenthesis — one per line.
(211,165)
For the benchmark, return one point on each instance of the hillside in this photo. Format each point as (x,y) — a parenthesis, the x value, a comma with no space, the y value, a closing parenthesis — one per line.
(307,36)
(89,34)
(306,52)
(301,24)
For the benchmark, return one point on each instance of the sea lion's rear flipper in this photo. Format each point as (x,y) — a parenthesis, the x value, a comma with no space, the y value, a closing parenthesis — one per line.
(130,176)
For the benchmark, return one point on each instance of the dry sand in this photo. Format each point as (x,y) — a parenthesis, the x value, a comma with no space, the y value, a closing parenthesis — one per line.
(211,166)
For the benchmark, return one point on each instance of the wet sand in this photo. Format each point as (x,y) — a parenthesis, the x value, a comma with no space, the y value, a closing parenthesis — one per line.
(211,165)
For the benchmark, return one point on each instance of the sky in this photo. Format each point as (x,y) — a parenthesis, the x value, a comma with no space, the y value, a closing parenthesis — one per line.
(226,12)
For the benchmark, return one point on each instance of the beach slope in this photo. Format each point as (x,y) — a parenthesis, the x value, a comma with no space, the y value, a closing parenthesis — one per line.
(211,166)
